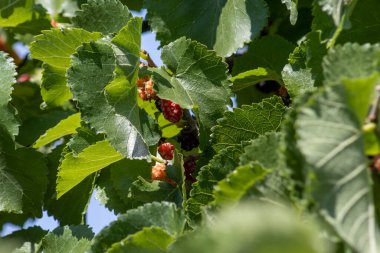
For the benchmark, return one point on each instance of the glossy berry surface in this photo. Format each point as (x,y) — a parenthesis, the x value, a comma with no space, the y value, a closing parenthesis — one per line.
(172,111)
(166,150)
(158,172)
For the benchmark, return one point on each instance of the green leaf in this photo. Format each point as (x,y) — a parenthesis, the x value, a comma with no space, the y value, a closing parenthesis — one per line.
(64,242)
(54,88)
(74,169)
(297,82)
(191,62)
(331,141)
(23,177)
(77,199)
(15,12)
(7,79)
(336,8)
(145,192)
(105,16)
(54,47)
(251,77)
(269,52)
(247,123)
(148,240)
(291,5)
(218,168)
(129,129)
(162,215)
(56,7)
(237,183)
(107,194)
(215,25)
(357,68)
(64,127)
(364,22)
(254,227)
(32,235)
(265,152)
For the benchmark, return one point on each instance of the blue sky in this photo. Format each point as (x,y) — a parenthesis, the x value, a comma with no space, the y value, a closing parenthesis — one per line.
(98,216)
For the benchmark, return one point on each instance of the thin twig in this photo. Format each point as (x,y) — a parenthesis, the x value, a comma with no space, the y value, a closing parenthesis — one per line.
(145,55)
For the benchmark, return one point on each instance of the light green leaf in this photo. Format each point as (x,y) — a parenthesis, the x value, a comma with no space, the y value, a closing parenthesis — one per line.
(64,127)
(75,169)
(148,240)
(216,25)
(7,79)
(247,123)
(105,16)
(65,241)
(54,47)
(191,62)
(357,68)
(297,82)
(162,215)
(251,77)
(269,52)
(218,168)
(15,12)
(254,227)
(331,141)
(54,88)
(23,177)
(291,5)
(231,189)
(92,81)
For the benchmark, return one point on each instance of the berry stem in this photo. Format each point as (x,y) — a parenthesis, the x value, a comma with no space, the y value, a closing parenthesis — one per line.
(145,55)
(155,158)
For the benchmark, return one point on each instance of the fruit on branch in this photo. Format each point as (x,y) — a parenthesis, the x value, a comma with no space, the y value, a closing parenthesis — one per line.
(166,150)
(171,111)
(145,88)
(159,172)
(188,138)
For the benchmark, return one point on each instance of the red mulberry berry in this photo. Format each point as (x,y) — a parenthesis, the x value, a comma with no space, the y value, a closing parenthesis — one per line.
(171,110)
(158,172)
(166,151)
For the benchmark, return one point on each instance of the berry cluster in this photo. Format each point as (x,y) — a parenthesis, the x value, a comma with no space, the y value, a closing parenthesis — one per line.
(145,88)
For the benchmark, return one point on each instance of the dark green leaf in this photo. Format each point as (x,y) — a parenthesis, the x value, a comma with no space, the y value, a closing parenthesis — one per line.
(216,25)
(249,122)
(105,16)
